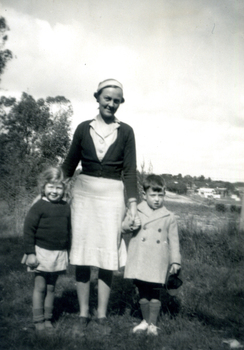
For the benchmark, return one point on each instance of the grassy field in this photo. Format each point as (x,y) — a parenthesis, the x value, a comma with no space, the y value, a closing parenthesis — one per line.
(208,309)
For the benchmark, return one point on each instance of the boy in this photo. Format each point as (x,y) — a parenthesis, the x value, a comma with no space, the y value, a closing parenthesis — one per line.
(153,251)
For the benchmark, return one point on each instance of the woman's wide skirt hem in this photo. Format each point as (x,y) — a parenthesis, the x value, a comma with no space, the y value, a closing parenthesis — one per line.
(97,212)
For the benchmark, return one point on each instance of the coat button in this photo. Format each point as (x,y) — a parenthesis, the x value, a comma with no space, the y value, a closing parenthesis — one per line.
(143,239)
(159,230)
(158,241)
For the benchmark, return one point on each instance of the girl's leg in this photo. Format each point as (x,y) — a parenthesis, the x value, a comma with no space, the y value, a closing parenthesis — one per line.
(83,289)
(105,278)
(49,299)
(39,294)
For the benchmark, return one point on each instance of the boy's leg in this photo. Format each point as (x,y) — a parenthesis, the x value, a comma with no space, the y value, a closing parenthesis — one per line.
(144,305)
(154,309)
(48,303)
(39,294)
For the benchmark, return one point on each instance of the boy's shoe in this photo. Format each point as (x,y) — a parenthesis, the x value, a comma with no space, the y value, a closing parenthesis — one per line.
(143,326)
(152,330)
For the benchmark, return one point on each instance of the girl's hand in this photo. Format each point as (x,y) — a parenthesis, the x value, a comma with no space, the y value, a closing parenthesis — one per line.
(32,261)
(174,269)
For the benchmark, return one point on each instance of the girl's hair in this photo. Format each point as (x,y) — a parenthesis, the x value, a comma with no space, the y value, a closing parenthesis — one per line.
(98,93)
(51,175)
(155,182)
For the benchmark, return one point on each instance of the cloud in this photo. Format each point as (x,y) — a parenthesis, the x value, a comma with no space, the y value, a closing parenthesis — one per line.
(180,63)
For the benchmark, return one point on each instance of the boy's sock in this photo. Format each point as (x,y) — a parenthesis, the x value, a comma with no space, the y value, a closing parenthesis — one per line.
(154,308)
(144,304)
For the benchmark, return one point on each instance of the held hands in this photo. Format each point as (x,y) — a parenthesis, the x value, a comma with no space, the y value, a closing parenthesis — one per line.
(174,269)
(134,220)
(32,261)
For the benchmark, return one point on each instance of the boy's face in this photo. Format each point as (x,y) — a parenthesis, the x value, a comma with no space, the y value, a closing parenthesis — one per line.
(155,199)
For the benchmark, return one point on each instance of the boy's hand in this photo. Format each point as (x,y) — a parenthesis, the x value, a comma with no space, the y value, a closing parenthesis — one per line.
(32,261)
(174,269)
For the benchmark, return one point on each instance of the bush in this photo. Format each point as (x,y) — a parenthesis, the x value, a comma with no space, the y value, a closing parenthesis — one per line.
(220,207)
(235,209)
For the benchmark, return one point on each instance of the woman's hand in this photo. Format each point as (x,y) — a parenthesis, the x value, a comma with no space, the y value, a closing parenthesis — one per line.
(135,220)
(32,261)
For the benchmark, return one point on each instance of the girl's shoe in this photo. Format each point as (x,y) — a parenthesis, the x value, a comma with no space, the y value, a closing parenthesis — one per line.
(48,326)
(143,326)
(152,330)
(39,326)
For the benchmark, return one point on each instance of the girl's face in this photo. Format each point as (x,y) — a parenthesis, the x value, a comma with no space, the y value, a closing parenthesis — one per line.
(54,191)
(109,101)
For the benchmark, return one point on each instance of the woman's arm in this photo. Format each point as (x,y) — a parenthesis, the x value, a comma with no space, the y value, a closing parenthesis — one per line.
(74,155)
(129,164)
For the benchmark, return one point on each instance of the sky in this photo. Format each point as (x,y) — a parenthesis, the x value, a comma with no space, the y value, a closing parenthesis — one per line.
(181,64)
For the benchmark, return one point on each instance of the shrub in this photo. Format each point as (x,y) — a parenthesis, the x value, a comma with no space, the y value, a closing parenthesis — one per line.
(220,207)
(235,209)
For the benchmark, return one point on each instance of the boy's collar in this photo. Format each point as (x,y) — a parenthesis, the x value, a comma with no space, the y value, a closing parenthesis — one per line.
(145,209)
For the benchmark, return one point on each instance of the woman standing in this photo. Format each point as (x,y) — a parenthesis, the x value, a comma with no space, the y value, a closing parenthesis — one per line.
(106,148)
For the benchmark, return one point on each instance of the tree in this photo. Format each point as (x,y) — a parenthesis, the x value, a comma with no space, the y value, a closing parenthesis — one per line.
(32,136)
(5,55)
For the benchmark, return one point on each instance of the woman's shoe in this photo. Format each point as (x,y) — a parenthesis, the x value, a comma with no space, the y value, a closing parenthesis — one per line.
(103,325)
(143,326)
(79,329)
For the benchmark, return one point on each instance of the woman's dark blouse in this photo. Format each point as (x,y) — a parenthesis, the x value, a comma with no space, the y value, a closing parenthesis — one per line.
(118,163)
(47,225)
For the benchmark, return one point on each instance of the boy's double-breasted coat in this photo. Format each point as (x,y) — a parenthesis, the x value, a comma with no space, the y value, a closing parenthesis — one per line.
(154,246)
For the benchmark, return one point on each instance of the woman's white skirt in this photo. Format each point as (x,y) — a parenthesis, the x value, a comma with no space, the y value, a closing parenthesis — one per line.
(97,211)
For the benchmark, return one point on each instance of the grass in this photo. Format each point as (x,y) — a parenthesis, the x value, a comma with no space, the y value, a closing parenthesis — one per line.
(208,309)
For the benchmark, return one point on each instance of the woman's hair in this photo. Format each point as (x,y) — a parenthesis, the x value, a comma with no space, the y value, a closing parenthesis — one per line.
(155,182)
(50,175)
(98,93)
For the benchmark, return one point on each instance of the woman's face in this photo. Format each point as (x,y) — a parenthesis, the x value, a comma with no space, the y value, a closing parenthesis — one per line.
(109,101)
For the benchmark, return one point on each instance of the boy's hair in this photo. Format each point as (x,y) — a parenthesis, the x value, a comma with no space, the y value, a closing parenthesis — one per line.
(50,175)
(155,182)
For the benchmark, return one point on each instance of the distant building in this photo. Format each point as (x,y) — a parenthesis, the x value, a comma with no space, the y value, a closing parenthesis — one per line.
(215,193)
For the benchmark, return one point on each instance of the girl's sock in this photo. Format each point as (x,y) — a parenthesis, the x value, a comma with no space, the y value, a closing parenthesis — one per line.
(38,315)
(154,308)
(38,318)
(144,304)
(48,314)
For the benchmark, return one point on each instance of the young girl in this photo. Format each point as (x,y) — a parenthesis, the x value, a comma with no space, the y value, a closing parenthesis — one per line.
(46,241)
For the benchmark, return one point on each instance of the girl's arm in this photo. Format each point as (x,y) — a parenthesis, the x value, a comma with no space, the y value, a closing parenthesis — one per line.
(30,227)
